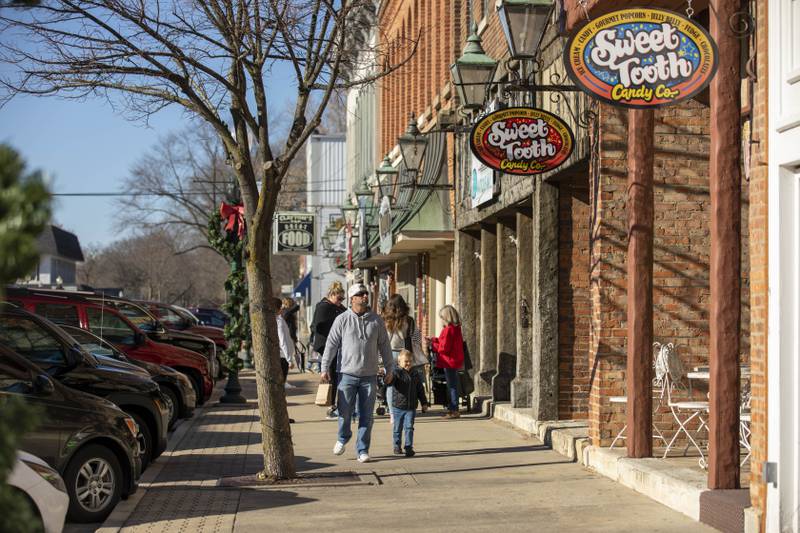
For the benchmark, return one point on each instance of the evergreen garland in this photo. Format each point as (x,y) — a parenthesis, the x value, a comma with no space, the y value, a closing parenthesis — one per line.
(237,330)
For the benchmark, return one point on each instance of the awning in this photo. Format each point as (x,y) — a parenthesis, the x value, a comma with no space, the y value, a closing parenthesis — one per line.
(303,286)
(420,241)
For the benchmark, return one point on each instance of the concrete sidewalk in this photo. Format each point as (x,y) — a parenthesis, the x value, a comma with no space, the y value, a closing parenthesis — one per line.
(470,474)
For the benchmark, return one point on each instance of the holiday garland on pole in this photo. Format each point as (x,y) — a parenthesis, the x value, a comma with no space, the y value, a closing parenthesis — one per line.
(230,242)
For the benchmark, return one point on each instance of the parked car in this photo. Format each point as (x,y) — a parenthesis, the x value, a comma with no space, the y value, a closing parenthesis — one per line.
(176,387)
(149,323)
(44,489)
(60,356)
(90,442)
(109,324)
(179,319)
(142,318)
(208,316)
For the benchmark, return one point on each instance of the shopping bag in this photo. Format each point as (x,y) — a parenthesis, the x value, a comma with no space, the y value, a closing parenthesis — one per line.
(324,394)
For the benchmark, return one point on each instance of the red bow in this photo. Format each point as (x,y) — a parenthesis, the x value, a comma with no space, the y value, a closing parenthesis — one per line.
(234,214)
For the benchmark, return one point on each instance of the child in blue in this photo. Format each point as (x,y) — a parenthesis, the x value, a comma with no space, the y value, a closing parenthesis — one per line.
(408,392)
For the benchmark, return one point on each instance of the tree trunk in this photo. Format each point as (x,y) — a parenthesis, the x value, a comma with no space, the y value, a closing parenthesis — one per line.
(275,430)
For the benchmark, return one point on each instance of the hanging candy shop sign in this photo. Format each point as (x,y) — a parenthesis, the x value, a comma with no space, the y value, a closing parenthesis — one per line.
(641,58)
(522,140)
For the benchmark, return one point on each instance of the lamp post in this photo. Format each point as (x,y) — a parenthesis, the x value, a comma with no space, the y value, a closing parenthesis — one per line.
(524,23)
(349,212)
(412,145)
(472,72)
(386,176)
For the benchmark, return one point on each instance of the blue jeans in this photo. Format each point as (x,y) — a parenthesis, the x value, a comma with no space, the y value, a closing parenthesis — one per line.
(403,422)
(356,393)
(451,376)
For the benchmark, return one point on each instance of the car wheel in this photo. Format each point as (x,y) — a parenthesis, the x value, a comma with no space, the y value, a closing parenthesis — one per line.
(197,385)
(172,405)
(94,484)
(146,442)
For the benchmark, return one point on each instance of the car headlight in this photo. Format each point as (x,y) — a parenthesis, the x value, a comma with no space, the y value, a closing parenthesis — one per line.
(49,475)
(132,426)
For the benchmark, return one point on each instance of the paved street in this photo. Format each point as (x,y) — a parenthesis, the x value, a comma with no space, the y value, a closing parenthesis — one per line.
(472,474)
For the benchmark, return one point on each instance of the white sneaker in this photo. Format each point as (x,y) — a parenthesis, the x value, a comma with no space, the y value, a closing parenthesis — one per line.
(338,448)
(363,457)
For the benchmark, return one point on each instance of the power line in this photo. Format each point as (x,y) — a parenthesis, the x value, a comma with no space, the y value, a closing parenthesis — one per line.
(176,193)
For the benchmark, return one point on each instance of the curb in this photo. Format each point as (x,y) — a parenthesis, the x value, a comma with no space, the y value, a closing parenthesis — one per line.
(125,508)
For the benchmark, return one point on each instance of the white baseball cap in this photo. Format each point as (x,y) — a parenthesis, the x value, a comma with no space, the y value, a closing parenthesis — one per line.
(356,290)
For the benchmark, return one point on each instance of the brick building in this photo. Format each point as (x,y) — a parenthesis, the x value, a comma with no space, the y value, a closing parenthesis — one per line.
(538,265)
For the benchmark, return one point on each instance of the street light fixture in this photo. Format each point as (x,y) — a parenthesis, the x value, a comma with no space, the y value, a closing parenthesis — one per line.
(472,72)
(523,23)
(386,176)
(412,145)
(349,211)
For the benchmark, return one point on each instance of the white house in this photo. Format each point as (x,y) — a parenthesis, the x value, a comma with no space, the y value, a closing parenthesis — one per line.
(59,255)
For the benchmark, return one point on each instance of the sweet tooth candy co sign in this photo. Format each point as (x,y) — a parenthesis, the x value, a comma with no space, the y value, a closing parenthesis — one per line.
(641,58)
(521,140)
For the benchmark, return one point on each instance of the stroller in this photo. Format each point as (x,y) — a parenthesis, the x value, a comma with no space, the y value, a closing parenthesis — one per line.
(380,396)
(439,383)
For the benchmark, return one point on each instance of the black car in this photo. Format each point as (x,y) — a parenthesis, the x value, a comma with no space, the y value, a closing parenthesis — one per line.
(176,387)
(90,441)
(54,351)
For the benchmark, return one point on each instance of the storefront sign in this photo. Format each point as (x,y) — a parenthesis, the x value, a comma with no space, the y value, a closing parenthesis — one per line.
(385,226)
(641,57)
(482,183)
(294,233)
(521,140)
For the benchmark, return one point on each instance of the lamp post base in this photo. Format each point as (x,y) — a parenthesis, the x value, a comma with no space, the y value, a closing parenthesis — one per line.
(233,390)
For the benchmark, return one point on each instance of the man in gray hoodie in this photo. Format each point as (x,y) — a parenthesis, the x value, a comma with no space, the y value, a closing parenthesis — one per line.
(361,336)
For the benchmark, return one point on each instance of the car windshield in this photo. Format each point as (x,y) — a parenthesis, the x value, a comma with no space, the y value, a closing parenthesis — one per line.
(186,315)
(138,316)
(92,344)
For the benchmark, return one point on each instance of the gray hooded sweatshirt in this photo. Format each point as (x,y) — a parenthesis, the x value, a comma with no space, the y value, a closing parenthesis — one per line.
(361,339)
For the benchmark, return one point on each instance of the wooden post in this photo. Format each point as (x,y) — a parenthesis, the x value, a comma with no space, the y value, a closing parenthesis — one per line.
(725,271)
(639,438)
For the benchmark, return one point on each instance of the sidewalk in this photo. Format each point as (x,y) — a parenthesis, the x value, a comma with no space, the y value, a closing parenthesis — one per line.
(470,474)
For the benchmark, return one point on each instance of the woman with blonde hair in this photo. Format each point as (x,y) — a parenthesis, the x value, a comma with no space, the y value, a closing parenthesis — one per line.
(403,335)
(449,346)
(325,313)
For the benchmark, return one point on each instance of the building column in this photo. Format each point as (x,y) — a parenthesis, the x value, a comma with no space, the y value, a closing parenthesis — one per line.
(506,310)
(639,438)
(544,323)
(725,263)
(468,290)
(522,385)
(488,311)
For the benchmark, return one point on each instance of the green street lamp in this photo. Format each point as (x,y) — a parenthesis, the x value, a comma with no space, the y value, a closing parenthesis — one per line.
(412,145)
(524,23)
(363,192)
(349,211)
(472,72)
(387,178)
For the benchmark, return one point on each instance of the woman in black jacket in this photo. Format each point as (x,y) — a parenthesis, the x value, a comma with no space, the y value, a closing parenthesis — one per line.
(325,313)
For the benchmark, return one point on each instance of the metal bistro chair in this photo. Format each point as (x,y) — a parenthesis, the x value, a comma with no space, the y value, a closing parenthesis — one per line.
(744,423)
(658,391)
(683,411)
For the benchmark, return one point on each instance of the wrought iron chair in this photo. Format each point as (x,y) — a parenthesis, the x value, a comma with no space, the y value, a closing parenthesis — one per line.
(744,423)
(684,411)
(658,393)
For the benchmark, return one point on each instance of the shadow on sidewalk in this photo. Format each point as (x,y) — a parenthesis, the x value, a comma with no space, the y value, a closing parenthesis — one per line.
(485,451)
(210,467)
(417,472)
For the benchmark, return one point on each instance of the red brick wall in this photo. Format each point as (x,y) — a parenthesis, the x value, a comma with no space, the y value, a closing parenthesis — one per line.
(681,252)
(759,266)
(574,307)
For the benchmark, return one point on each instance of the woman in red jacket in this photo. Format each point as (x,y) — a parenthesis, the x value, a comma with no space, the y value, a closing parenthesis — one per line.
(450,347)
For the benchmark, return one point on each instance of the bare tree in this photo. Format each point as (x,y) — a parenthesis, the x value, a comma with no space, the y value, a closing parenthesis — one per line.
(213,58)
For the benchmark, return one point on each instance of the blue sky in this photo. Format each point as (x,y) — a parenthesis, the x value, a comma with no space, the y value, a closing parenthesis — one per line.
(85,146)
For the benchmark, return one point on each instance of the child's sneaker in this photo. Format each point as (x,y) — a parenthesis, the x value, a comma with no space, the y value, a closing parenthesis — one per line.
(410,451)
(398,451)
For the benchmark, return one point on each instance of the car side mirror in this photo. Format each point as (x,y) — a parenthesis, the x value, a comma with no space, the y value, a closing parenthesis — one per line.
(42,385)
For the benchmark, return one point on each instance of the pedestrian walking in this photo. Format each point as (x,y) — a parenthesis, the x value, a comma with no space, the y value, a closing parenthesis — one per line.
(449,346)
(289,311)
(284,340)
(325,313)
(403,335)
(359,336)
(409,392)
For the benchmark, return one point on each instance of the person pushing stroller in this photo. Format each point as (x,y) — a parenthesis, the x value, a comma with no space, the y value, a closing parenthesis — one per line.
(408,393)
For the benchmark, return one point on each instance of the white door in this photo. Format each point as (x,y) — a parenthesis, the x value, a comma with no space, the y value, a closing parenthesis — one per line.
(783,496)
